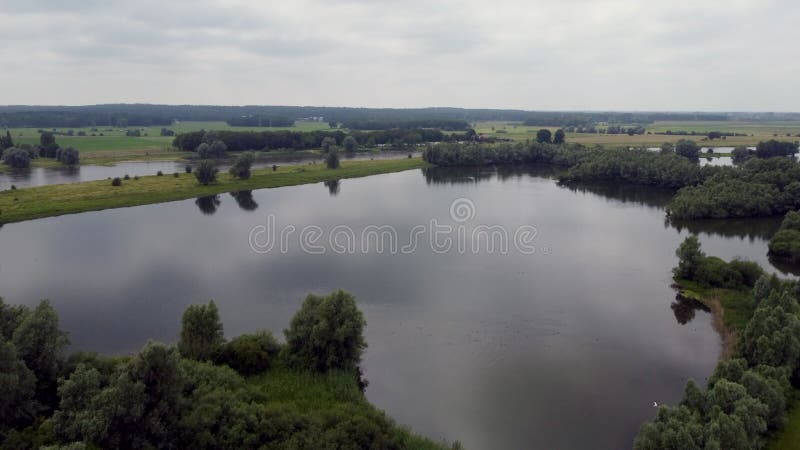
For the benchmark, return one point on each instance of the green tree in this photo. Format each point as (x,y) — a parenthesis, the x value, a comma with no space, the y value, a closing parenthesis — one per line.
(250,354)
(350,144)
(10,318)
(206,172)
(688,149)
(40,344)
(690,258)
(201,332)
(217,149)
(667,148)
(327,333)
(559,137)
(328,143)
(543,136)
(68,156)
(17,158)
(241,167)
(17,388)
(47,139)
(332,160)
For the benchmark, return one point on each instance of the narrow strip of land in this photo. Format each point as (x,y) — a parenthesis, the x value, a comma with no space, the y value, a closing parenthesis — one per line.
(55,200)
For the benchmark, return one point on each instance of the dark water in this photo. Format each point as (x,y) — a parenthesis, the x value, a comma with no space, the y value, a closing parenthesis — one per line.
(567,347)
(40,176)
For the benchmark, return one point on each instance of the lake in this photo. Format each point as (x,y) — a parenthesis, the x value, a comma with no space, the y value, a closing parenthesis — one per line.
(567,346)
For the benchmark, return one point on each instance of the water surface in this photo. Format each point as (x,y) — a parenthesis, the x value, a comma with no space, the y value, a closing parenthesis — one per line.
(564,348)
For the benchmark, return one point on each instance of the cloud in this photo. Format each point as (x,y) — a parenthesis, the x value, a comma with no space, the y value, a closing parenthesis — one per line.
(546,54)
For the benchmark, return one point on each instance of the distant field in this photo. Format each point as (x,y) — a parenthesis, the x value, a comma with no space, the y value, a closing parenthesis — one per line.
(756,131)
(115,146)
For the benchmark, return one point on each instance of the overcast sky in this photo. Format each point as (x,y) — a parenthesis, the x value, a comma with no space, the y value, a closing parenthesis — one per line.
(528,54)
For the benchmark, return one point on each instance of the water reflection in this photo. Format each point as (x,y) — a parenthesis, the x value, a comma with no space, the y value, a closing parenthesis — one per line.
(245,200)
(625,193)
(784,266)
(757,228)
(208,205)
(333,187)
(475,175)
(685,308)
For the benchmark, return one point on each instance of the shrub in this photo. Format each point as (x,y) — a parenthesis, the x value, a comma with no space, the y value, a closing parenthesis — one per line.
(206,172)
(687,149)
(250,354)
(127,177)
(241,168)
(327,333)
(17,158)
(116,182)
(350,144)
(188,169)
(176,174)
(160,174)
(68,156)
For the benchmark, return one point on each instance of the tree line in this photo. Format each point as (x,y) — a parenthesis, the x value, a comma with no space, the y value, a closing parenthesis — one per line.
(19,157)
(204,392)
(765,183)
(747,397)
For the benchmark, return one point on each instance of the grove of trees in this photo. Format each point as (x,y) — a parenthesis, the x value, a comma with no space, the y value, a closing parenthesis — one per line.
(206,393)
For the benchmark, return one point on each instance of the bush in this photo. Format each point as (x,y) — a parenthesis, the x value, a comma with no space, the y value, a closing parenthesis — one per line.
(350,144)
(116,182)
(206,172)
(250,354)
(127,177)
(176,175)
(17,158)
(241,167)
(327,333)
(160,174)
(188,169)
(68,156)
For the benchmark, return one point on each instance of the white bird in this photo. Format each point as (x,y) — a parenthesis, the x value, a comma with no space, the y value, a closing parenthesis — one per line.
(655,404)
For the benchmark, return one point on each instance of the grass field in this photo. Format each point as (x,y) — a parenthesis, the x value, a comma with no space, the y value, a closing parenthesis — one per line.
(760,131)
(789,437)
(46,201)
(115,146)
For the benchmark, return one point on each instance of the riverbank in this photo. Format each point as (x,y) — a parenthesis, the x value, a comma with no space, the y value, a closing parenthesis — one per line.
(55,200)
(730,310)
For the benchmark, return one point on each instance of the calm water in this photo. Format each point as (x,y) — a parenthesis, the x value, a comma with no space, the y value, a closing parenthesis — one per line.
(39,176)
(565,348)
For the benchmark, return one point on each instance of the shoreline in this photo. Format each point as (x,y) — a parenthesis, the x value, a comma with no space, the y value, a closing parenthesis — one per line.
(61,199)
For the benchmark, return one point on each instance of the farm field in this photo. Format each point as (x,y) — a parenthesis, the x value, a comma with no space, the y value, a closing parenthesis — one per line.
(114,146)
(755,131)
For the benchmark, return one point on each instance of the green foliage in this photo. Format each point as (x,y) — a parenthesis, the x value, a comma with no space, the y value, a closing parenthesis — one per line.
(332,160)
(688,149)
(40,344)
(17,158)
(773,148)
(690,258)
(544,136)
(747,396)
(250,354)
(559,137)
(201,332)
(741,154)
(786,242)
(116,182)
(68,156)
(206,172)
(327,143)
(350,144)
(327,333)
(241,167)
(17,388)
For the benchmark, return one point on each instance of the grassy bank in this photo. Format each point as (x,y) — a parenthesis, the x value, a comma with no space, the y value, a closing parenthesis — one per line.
(320,393)
(730,310)
(789,437)
(48,201)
